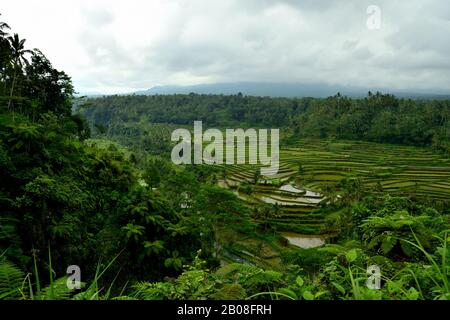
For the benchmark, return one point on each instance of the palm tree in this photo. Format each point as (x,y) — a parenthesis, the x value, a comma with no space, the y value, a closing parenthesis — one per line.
(3,26)
(18,59)
(4,54)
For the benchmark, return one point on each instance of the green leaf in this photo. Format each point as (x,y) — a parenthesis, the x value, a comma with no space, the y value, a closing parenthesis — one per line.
(388,244)
(299,281)
(339,287)
(319,294)
(407,248)
(307,295)
(412,294)
(289,293)
(351,255)
(374,242)
(393,287)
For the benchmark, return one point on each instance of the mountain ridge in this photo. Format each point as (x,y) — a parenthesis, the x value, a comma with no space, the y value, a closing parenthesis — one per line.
(280,89)
(276,89)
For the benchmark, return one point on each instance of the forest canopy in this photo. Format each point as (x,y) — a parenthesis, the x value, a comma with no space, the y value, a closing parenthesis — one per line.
(378,117)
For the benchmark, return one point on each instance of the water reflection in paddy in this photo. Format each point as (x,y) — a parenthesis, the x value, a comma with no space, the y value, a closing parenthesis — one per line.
(304,241)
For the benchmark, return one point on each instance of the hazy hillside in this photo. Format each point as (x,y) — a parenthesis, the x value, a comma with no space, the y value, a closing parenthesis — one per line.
(278,89)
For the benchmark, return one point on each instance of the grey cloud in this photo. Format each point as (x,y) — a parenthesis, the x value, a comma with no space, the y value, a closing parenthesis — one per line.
(96,17)
(255,40)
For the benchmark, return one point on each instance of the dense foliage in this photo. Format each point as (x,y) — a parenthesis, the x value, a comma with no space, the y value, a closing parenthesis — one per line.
(378,117)
(58,192)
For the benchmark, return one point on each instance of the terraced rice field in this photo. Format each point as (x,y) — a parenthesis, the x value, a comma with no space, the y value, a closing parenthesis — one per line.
(300,192)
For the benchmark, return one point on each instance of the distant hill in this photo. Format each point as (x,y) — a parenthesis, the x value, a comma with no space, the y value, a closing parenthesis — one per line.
(89,94)
(257,89)
(284,90)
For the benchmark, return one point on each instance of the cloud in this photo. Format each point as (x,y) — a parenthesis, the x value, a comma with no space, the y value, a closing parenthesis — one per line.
(117,46)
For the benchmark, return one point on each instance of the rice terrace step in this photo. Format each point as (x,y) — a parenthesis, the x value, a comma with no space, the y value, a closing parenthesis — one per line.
(309,171)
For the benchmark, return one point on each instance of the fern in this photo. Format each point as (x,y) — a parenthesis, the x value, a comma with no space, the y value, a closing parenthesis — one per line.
(123,298)
(58,290)
(230,292)
(250,277)
(154,291)
(235,268)
(11,281)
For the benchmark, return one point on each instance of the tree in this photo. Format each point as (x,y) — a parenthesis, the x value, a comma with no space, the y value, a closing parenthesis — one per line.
(17,59)
(3,26)
(152,174)
(50,89)
(216,209)
(5,53)
(266,213)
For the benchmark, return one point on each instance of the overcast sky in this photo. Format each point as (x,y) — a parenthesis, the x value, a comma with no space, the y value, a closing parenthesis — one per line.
(119,46)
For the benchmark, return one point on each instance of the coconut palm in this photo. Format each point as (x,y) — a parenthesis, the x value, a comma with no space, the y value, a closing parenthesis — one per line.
(17,59)
(3,25)
(4,49)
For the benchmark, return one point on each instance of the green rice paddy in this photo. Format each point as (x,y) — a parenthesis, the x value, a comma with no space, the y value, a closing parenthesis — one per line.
(308,172)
